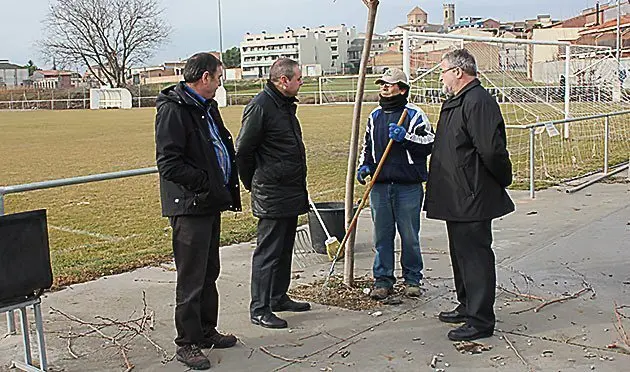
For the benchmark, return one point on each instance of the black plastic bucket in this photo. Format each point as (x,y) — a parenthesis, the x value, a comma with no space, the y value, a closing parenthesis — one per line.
(332,214)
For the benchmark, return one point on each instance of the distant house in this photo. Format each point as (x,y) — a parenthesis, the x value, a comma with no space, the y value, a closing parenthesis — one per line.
(605,34)
(379,45)
(12,75)
(476,22)
(56,79)
(167,72)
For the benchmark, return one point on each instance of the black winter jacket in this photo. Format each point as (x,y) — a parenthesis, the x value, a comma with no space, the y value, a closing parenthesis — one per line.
(470,165)
(271,157)
(191,180)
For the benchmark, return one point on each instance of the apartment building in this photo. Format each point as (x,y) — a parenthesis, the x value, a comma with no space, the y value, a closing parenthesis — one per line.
(323,46)
(339,38)
(12,75)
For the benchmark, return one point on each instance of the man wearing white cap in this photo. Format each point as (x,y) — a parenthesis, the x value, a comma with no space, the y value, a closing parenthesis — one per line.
(396,198)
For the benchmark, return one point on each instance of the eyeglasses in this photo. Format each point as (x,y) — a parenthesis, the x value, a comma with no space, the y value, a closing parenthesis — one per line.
(387,85)
(448,69)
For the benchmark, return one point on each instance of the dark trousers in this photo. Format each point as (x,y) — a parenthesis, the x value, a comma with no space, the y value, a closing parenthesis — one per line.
(196,251)
(271,263)
(473,270)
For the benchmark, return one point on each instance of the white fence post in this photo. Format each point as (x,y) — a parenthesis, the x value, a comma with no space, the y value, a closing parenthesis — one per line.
(606,139)
(532,153)
(406,55)
(320,91)
(567,90)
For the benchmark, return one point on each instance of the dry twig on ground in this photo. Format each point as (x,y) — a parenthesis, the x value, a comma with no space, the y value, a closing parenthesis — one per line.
(251,351)
(562,299)
(511,345)
(619,324)
(264,350)
(610,348)
(546,302)
(125,332)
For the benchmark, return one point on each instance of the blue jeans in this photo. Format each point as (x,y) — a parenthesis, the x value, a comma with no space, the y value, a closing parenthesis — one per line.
(396,207)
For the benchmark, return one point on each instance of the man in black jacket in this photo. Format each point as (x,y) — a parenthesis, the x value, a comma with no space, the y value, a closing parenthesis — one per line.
(198,180)
(469,171)
(272,164)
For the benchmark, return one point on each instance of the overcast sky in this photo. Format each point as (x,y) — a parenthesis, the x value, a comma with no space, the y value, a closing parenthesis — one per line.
(195,22)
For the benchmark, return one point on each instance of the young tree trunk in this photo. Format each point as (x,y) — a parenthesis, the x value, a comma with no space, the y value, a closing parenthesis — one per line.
(348,272)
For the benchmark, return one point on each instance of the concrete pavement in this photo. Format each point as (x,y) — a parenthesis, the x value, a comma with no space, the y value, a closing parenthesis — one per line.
(550,247)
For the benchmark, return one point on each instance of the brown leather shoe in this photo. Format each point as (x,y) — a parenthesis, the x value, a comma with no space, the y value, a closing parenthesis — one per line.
(218,341)
(193,357)
(380,293)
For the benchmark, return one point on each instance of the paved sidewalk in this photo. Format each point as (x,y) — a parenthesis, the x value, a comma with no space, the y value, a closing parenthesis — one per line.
(557,241)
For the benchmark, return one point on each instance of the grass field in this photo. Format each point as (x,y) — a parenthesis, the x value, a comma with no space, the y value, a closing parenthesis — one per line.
(113,226)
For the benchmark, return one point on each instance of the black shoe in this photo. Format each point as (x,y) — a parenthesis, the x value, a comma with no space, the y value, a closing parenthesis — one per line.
(290,305)
(269,320)
(453,316)
(468,333)
(218,341)
(193,357)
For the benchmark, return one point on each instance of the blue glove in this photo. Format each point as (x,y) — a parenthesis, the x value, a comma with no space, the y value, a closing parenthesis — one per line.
(363,172)
(397,133)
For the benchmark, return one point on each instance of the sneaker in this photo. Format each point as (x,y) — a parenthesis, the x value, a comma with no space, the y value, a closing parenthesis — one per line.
(218,341)
(412,290)
(193,357)
(380,293)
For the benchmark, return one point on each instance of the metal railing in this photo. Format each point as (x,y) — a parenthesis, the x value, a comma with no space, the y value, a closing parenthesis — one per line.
(532,144)
(326,95)
(4,190)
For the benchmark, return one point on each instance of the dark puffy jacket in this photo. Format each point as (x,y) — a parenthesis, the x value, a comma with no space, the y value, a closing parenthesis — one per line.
(271,157)
(470,166)
(191,181)
(407,161)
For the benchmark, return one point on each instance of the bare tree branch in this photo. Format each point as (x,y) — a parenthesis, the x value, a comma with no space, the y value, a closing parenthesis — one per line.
(106,37)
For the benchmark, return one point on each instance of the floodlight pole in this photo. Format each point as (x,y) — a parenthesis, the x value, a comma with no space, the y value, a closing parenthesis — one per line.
(220,34)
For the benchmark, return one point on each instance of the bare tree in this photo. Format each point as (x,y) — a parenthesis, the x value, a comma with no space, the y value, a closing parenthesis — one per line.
(105,36)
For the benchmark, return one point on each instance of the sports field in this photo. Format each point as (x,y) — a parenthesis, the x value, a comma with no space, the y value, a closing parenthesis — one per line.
(113,226)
